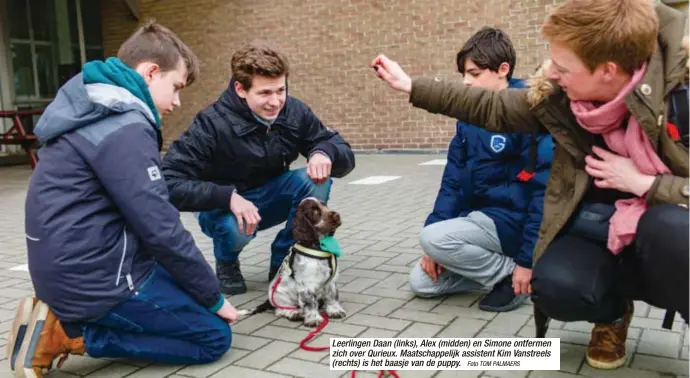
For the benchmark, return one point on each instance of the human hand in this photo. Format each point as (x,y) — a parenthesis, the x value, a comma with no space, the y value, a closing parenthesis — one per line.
(319,167)
(431,267)
(227,312)
(391,73)
(617,172)
(521,280)
(245,212)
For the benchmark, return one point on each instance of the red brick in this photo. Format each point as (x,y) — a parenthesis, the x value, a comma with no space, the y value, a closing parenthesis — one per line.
(330,44)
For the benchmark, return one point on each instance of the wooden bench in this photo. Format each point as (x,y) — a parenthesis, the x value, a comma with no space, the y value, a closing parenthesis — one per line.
(17,134)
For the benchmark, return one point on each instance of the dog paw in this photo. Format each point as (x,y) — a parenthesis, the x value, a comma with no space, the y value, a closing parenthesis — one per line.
(335,311)
(313,321)
(337,314)
(294,316)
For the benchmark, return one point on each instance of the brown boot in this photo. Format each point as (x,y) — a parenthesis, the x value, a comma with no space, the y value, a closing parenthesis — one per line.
(606,348)
(46,340)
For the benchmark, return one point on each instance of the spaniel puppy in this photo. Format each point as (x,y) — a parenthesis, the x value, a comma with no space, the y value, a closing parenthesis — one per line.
(306,279)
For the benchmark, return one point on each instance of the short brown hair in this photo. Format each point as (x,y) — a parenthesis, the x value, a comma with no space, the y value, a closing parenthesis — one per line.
(263,58)
(155,43)
(599,31)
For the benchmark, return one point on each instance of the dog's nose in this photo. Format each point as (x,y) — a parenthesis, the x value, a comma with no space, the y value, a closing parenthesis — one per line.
(335,218)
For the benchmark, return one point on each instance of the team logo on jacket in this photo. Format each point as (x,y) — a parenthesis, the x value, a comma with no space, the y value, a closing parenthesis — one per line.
(498,143)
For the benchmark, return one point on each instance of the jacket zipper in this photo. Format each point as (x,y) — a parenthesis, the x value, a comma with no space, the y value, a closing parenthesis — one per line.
(130,284)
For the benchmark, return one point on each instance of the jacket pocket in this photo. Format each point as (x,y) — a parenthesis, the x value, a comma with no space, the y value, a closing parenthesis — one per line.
(124,265)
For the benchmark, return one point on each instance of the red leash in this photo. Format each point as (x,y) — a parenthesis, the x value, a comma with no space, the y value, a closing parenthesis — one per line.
(315,331)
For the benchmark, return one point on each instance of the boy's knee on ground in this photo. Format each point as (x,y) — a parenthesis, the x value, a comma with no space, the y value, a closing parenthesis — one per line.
(217,342)
(420,283)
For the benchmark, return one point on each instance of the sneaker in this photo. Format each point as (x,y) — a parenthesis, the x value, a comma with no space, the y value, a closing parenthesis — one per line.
(230,277)
(502,298)
(46,340)
(606,349)
(18,330)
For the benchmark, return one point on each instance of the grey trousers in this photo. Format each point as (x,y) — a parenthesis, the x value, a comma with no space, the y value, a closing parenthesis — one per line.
(470,252)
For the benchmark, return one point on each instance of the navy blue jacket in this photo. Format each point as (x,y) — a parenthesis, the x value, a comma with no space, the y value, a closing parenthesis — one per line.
(98,216)
(483,174)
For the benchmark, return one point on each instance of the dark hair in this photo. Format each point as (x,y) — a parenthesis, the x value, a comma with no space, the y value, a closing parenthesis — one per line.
(488,48)
(155,43)
(261,58)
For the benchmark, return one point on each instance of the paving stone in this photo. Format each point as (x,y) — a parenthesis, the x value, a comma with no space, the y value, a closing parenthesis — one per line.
(422,304)
(390,293)
(623,372)
(113,371)
(280,333)
(337,327)
(393,268)
(550,374)
(462,327)
(458,374)
(365,273)
(660,343)
(372,262)
(358,298)
(203,371)
(423,316)
(83,365)
(572,357)
(394,281)
(659,364)
(505,374)
(377,321)
(252,323)
(156,371)
(238,371)
(299,368)
(383,306)
(373,332)
(265,356)
(420,330)
(507,323)
(359,285)
(464,312)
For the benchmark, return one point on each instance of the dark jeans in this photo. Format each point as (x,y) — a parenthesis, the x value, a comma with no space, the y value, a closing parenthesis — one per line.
(277,202)
(159,323)
(581,280)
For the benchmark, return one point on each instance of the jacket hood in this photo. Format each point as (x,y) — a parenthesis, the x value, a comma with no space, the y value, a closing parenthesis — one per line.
(77,105)
(671,57)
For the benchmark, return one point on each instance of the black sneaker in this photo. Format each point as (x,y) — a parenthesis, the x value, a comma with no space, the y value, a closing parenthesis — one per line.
(502,298)
(230,277)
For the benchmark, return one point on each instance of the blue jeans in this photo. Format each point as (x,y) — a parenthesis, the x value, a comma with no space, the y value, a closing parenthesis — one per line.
(159,323)
(277,202)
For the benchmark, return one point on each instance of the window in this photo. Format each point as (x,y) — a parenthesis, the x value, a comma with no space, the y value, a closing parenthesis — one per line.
(49,44)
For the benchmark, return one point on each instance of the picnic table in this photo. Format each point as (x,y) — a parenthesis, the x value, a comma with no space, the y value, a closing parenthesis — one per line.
(17,134)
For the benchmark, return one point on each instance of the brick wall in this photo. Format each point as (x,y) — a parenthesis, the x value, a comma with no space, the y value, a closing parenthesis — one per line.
(330,44)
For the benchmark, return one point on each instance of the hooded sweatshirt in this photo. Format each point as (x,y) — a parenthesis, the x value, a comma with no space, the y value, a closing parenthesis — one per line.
(98,217)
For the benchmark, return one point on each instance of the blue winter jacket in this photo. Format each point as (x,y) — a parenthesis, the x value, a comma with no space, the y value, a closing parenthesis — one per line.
(98,217)
(483,173)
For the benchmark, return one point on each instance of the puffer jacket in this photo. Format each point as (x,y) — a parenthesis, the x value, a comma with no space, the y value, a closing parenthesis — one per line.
(502,175)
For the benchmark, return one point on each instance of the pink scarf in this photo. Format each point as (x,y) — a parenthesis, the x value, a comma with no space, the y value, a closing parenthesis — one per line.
(630,142)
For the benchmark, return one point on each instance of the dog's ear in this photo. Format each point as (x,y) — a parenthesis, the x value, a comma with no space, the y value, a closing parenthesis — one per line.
(303,230)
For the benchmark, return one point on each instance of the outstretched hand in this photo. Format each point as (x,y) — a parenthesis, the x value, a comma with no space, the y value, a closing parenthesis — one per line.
(390,72)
